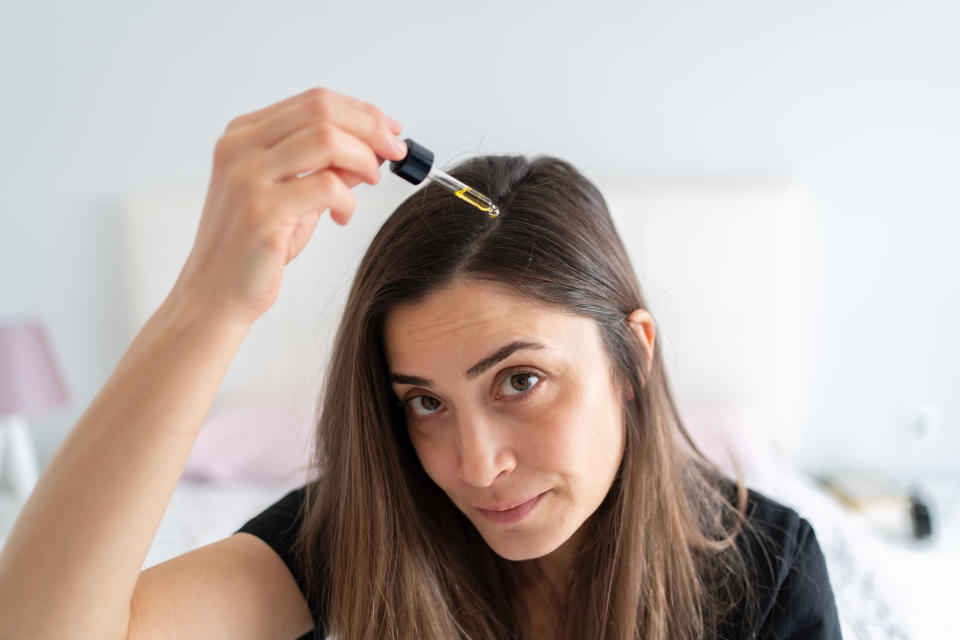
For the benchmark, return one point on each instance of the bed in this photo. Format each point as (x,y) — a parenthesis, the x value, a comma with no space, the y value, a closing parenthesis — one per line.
(733,246)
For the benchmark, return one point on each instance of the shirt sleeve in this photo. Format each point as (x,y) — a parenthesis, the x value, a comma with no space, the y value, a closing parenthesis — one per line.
(803,605)
(277,525)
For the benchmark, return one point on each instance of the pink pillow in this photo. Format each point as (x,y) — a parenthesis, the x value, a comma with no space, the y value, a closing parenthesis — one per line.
(724,432)
(260,437)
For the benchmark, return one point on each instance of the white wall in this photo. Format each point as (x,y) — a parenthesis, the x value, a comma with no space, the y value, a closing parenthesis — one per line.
(854,102)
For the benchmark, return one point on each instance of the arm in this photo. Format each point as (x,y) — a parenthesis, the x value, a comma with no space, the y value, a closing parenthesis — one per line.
(74,555)
(73,558)
(237,588)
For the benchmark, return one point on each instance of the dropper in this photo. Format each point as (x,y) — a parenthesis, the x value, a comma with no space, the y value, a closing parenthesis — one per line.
(418,164)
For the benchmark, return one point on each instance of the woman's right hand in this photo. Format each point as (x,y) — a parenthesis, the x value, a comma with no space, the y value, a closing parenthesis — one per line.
(258,215)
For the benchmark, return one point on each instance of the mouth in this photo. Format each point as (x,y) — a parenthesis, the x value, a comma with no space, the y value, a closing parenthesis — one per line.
(512,511)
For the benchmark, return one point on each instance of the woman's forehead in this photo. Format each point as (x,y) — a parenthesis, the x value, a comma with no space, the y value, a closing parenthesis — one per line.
(471,317)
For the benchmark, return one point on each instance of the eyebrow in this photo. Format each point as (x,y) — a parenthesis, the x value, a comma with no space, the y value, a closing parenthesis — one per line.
(502,353)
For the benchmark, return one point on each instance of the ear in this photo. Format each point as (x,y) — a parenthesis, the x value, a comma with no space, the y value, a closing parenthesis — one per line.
(641,322)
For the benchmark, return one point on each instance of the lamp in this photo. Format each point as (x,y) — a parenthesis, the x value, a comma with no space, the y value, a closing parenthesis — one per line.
(30,382)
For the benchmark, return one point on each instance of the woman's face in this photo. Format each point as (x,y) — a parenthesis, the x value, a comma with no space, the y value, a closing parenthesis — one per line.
(512,410)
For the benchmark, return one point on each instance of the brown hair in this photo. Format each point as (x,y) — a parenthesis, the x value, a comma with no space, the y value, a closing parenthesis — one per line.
(388,555)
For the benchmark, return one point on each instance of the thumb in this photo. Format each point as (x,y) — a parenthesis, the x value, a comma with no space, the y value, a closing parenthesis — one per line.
(302,233)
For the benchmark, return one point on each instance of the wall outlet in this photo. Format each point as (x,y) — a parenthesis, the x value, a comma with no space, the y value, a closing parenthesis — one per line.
(922,422)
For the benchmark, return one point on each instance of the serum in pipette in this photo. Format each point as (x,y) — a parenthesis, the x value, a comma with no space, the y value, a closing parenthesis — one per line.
(418,165)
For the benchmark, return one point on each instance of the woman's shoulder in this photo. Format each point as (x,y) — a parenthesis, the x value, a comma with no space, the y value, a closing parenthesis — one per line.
(789,579)
(778,522)
(278,525)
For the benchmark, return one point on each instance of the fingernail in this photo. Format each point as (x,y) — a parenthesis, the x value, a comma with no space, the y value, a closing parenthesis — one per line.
(400,146)
(395,125)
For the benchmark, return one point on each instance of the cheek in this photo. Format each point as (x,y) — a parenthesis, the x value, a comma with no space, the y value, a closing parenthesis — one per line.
(583,434)
(436,458)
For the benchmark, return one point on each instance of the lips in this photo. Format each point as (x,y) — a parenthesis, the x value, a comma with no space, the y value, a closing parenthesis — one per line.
(505,505)
(510,511)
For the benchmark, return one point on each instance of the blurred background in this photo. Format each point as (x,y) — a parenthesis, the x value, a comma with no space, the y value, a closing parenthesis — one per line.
(853,105)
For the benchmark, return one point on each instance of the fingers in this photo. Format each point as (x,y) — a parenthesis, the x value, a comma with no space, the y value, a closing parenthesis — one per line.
(350,179)
(316,192)
(308,151)
(260,114)
(315,93)
(361,119)
(318,147)
(301,234)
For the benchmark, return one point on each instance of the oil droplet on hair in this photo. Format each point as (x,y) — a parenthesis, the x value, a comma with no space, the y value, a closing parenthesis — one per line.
(478,200)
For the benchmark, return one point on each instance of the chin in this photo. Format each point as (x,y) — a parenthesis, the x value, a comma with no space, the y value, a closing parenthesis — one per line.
(516,553)
(517,545)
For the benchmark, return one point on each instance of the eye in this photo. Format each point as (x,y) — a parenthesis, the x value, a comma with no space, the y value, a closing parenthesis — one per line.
(519,383)
(422,406)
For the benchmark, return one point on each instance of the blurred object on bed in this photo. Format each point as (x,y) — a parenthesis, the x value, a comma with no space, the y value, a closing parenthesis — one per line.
(893,508)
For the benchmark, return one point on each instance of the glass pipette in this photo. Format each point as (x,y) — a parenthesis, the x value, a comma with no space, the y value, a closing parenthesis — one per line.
(418,164)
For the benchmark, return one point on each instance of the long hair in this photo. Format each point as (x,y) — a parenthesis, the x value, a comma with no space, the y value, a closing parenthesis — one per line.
(388,555)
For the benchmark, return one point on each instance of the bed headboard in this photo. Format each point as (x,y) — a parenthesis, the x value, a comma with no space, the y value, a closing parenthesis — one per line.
(719,264)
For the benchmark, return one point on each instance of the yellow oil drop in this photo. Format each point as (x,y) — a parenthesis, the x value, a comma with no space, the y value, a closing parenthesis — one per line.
(478,200)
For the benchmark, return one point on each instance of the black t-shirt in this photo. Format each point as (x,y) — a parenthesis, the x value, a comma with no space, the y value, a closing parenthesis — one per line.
(792,588)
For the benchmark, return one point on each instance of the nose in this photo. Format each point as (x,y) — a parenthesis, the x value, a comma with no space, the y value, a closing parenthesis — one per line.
(485,451)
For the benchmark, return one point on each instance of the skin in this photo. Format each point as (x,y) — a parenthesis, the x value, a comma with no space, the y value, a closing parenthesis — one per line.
(543,419)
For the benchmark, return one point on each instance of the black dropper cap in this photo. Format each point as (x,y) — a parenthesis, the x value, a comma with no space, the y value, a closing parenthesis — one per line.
(416,165)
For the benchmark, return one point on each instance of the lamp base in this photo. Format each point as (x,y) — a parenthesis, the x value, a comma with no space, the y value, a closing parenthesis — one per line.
(18,458)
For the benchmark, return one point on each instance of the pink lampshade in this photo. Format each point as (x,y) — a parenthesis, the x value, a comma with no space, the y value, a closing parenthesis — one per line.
(29,378)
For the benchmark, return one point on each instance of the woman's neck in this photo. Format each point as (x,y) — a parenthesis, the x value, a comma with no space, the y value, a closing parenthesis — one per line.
(549,576)
(543,585)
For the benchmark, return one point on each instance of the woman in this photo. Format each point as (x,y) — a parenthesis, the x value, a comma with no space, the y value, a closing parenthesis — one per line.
(500,455)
